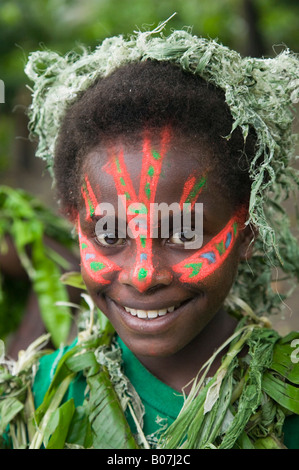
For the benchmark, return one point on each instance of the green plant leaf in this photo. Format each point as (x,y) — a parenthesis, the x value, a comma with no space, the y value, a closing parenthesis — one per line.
(49,289)
(282,362)
(269,442)
(73,279)
(109,426)
(79,432)
(58,426)
(9,408)
(283,393)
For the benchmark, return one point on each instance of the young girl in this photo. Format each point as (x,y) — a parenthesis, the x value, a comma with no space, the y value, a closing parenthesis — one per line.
(169,157)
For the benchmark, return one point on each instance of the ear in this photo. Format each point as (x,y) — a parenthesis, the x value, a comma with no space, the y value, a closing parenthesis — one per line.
(247,238)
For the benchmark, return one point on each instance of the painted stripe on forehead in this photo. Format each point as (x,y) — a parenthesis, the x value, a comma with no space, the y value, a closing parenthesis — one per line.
(208,259)
(152,159)
(122,179)
(89,198)
(192,188)
(151,167)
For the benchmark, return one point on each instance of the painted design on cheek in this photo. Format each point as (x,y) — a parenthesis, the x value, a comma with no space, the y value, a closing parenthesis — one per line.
(89,199)
(208,259)
(139,208)
(95,264)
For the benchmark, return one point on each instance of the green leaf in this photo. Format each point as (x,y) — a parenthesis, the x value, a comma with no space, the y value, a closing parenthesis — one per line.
(269,442)
(78,362)
(9,408)
(109,426)
(49,289)
(214,418)
(283,393)
(62,373)
(58,426)
(283,361)
(79,432)
(73,279)
(243,442)
(46,410)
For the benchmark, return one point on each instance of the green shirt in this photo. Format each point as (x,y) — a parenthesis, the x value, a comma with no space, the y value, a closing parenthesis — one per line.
(159,399)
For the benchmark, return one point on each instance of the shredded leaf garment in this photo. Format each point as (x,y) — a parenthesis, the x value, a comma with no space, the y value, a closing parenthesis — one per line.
(249,403)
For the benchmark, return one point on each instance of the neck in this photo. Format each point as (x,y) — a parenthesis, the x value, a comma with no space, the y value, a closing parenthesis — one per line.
(179,369)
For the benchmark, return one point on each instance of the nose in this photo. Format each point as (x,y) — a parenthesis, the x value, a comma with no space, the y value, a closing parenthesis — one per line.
(144,278)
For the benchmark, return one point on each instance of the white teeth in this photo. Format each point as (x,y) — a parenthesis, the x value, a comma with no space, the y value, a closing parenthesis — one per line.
(162,312)
(152,314)
(141,314)
(149,313)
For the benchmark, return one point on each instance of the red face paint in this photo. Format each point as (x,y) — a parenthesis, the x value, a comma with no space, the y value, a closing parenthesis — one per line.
(192,188)
(89,199)
(193,268)
(208,259)
(94,263)
(152,160)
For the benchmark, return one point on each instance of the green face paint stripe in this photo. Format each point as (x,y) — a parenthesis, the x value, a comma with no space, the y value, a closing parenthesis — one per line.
(220,247)
(196,267)
(118,167)
(151,171)
(235,228)
(90,210)
(142,273)
(156,155)
(97,266)
(89,198)
(147,190)
(192,188)
(196,189)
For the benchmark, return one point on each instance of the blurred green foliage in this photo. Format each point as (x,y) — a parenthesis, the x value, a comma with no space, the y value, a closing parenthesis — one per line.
(60,24)
(250,26)
(26,221)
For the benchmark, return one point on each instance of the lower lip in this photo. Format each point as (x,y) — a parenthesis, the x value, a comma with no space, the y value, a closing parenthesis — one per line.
(152,325)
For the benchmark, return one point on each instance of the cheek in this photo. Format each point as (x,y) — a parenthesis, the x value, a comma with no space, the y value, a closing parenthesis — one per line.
(212,259)
(97,267)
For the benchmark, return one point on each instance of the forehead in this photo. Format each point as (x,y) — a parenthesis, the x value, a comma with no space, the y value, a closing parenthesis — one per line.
(160,162)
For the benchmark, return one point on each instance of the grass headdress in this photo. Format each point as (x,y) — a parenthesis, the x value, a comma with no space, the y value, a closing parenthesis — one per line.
(259,92)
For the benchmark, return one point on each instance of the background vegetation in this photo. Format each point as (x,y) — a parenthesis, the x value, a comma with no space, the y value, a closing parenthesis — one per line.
(253,27)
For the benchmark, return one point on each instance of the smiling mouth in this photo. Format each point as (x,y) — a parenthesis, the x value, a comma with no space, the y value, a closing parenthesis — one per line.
(151,314)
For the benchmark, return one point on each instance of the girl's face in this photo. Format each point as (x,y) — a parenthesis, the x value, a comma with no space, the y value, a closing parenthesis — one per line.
(158,293)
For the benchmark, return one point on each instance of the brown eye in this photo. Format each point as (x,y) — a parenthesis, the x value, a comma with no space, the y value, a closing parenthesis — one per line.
(109,239)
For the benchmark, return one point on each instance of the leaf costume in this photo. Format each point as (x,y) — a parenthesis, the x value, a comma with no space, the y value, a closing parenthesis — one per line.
(245,403)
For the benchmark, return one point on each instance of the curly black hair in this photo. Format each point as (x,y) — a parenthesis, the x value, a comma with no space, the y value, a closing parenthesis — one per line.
(150,94)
